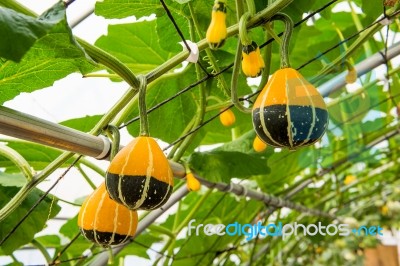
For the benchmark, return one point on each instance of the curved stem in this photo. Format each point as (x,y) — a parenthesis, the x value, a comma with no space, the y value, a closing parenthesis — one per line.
(111,62)
(251,7)
(244,37)
(285,38)
(16,200)
(144,122)
(18,160)
(92,166)
(42,249)
(116,139)
(234,81)
(267,54)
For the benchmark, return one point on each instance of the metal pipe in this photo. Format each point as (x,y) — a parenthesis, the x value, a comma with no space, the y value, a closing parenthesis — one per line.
(362,68)
(31,128)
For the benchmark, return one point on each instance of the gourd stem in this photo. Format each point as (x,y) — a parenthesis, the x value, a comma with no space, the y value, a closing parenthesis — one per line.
(144,123)
(18,160)
(267,59)
(244,37)
(251,7)
(115,142)
(286,37)
(234,81)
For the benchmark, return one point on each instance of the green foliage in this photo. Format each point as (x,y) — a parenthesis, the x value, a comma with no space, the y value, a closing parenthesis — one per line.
(35,222)
(50,54)
(38,52)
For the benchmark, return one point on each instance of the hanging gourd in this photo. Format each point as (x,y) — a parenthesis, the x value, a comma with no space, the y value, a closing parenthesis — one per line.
(105,222)
(252,61)
(216,32)
(352,75)
(140,177)
(227,117)
(289,112)
(192,183)
(259,145)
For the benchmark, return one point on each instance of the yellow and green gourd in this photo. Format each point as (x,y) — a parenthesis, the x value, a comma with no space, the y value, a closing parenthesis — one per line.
(105,222)
(289,112)
(139,176)
(216,32)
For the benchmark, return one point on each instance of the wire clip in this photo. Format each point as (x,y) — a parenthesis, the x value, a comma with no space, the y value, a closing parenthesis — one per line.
(194,51)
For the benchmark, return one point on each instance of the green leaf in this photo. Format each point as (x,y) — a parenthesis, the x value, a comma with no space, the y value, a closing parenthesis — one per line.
(136,45)
(168,37)
(84,124)
(219,165)
(35,222)
(38,156)
(49,240)
(168,121)
(52,57)
(12,180)
(20,31)
(126,8)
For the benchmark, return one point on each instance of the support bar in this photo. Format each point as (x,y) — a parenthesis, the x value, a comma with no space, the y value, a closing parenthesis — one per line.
(31,128)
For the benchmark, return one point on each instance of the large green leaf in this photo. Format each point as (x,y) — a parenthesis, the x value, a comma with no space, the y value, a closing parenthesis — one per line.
(136,45)
(222,165)
(53,56)
(38,156)
(127,8)
(168,121)
(84,124)
(20,31)
(35,222)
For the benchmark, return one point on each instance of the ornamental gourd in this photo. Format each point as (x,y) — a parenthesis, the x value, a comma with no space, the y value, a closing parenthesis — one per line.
(227,117)
(216,32)
(259,145)
(252,61)
(139,176)
(192,183)
(289,112)
(105,222)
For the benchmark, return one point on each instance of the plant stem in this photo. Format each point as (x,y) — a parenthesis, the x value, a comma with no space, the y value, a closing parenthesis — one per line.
(285,38)
(18,160)
(92,166)
(85,176)
(161,230)
(144,122)
(234,81)
(42,250)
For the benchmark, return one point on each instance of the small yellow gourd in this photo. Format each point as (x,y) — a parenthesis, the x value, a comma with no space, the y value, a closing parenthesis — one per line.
(192,183)
(227,117)
(105,222)
(349,179)
(140,176)
(216,32)
(259,145)
(252,61)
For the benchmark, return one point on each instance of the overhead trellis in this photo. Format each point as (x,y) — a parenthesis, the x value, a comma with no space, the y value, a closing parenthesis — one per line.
(343,155)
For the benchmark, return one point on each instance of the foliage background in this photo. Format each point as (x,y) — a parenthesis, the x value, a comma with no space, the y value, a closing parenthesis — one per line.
(357,117)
